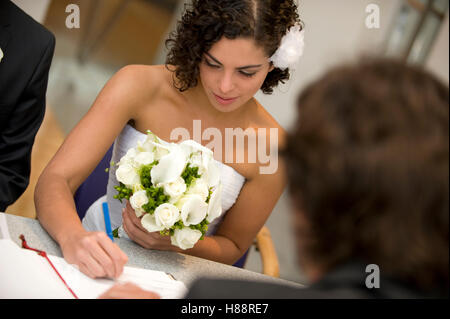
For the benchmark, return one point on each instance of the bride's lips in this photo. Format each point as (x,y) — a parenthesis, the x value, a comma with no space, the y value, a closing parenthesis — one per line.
(224,101)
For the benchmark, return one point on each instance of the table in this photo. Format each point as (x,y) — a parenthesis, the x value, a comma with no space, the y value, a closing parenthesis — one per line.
(183,267)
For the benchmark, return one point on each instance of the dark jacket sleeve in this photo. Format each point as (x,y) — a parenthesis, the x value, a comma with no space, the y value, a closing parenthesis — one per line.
(18,134)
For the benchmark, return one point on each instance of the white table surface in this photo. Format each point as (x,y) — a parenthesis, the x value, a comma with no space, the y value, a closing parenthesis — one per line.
(183,267)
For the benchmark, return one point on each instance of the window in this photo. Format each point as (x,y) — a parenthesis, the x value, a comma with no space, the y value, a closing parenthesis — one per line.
(415,28)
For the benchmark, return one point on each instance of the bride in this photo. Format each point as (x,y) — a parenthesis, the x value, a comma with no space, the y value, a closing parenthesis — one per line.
(221,54)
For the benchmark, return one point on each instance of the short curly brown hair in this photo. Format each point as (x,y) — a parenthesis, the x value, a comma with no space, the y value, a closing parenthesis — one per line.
(205,22)
(368,168)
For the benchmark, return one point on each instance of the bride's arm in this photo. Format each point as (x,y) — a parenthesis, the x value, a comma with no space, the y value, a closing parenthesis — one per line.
(243,221)
(81,151)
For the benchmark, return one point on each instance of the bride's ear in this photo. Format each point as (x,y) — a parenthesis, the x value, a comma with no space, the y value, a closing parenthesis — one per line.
(271,67)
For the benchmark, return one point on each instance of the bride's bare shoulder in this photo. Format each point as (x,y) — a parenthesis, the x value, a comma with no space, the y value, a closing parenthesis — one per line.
(145,78)
(137,84)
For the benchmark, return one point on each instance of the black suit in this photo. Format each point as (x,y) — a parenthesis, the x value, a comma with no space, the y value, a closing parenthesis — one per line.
(28,51)
(345,282)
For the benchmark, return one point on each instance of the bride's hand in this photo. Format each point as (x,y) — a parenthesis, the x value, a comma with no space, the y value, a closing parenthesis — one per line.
(132,225)
(94,253)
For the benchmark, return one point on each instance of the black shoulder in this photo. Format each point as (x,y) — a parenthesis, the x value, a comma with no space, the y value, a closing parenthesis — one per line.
(208,288)
(22,24)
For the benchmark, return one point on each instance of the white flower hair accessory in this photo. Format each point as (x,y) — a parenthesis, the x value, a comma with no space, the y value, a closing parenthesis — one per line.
(290,50)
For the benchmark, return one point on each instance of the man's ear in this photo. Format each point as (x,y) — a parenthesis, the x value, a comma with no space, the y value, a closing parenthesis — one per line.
(271,67)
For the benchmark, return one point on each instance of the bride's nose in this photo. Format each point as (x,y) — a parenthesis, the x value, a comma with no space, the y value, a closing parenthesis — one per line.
(226,83)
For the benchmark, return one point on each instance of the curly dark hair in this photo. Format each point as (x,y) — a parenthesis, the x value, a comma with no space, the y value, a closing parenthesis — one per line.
(368,166)
(205,22)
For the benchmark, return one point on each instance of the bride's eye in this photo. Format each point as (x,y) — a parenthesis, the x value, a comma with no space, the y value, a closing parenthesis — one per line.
(249,75)
(211,65)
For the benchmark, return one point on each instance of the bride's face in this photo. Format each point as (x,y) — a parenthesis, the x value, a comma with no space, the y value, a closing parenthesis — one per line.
(232,72)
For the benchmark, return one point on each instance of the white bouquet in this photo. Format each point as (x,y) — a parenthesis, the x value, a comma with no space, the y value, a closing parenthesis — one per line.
(174,188)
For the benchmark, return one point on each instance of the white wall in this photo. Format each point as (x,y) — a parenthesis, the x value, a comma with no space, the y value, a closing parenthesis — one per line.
(437,61)
(335,33)
(37,9)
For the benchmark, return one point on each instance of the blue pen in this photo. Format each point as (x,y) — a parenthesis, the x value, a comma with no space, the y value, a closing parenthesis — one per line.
(107,221)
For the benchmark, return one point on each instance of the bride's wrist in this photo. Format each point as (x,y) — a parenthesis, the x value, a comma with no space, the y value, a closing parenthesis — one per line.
(64,237)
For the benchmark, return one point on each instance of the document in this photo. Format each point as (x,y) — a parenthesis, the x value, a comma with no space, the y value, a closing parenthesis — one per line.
(4,233)
(26,275)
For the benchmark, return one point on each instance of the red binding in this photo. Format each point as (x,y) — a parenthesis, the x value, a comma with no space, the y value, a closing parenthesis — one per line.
(44,254)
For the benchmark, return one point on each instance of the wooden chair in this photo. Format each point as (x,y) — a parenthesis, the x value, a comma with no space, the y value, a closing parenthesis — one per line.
(264,244)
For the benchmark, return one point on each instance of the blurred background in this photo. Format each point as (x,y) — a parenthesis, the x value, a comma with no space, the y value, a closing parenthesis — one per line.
(115,33)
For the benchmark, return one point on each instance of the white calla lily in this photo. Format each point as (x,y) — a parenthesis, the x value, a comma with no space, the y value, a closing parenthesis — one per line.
(191,146)
(150,224)
(199,187)
(193,209)
(1,54)
(196,160)
(144,158)
(215,204)
(169,167)
(213,175)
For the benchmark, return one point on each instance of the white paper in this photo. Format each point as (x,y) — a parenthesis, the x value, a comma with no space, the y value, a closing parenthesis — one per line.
(39,280)
(24,274)
(4,232)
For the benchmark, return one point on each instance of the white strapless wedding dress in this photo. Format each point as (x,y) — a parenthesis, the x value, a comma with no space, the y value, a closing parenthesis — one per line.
(232,183)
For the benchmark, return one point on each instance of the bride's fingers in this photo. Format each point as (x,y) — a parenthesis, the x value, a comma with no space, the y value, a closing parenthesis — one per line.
(85,270)
(105,261)
(93,267)
(117,256)
(136,222)
(144,238)
(133,232)
(129,211)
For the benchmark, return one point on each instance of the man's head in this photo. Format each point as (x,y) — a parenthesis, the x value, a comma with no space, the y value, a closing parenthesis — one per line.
(368,170)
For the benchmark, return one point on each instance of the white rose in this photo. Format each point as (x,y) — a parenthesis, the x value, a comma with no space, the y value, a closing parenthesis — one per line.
(127,175)
(199,187)
(138,199)
(193,209)
(166,215)
(215,204)
(174,189)
(128,158)
(144,158)
(169,167)
(185,238)
(150,224)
